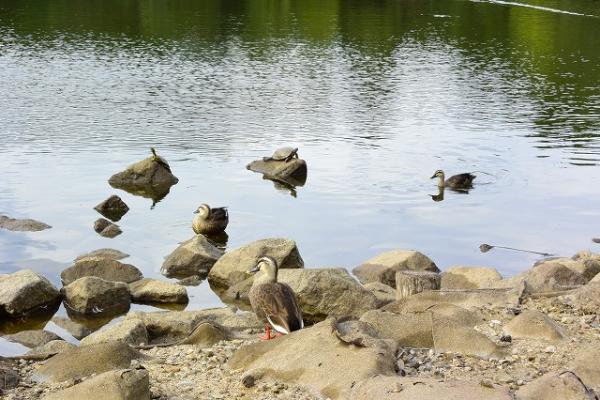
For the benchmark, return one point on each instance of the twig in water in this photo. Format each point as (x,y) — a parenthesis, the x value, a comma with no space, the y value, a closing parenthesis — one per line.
(486,247)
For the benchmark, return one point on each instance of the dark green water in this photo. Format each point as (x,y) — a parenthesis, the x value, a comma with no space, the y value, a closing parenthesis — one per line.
(377,95)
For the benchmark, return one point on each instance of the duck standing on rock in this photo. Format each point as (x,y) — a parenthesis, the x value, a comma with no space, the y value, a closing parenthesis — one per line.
(456,182)
(210,221)
(274,302)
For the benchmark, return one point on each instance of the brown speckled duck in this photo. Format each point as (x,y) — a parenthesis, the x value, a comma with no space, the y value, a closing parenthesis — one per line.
(210,221)
(458,182)
(274,302)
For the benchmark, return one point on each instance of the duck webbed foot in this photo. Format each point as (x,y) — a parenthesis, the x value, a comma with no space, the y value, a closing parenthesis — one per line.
(267,334)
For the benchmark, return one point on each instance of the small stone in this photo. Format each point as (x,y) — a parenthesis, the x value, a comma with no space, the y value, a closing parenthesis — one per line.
(486,383)
(506,338)
(550,349)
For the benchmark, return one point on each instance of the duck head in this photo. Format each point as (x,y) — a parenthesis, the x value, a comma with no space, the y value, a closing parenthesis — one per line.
(267,266)
(439,174)
(203,210)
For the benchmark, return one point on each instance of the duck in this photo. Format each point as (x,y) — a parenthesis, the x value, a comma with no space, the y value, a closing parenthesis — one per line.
(210,221)
(274,303)
(158,159)
(458,182)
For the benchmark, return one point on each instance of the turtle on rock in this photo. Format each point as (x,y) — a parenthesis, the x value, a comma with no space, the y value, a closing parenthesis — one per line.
(283,154)
(158,159)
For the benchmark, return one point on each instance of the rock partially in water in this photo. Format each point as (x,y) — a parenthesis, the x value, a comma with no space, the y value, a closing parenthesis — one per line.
(112,208)
(106,228)
(33,338)
(469,277)
(107,269)
(293,169)
(195,256)
(22,225)
(77,330)
(383,268)
(124,384)
(95,296)
(532,324)
(154,291)
(556,386)
(130,331)
(232,266)
(110,254)
(25,292)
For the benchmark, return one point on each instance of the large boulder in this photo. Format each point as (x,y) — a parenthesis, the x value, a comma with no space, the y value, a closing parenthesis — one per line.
(105,268)
(32,338)
(92,295)
(556,386)
(232,266)
(22,225)
(383,267)
(143,175)
(111,254)
(85,361)
(532,324)
(154,291)
(192,257)
(469,277)
(295,168)
(314,356)
(112,208)
(124,384)
(552,277)
(25,292)
(131,331)
(586,264)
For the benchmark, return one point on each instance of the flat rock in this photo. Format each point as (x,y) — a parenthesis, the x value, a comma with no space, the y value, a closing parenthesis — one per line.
(532,324)
(25,291)
(92,295)
(192,257)
(469,277)
(232,266)
(383,293)
(295,168)
(22,225)
(105,228)
(124,384)
(112,208)
(466,317)
(85,361)
(130,331)
(105,268)
(50,348)
(383,267)
(314,356)
(556,386)
(154,291)
(77,330)
(144,174)
(32,338)
(110,254)
(397,388)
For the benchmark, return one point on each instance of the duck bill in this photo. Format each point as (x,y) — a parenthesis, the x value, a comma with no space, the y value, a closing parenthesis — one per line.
(253,270)
(196,212)
(433,177)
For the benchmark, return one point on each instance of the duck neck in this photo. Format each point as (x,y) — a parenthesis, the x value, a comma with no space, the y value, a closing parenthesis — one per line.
(441,182)
(265,277)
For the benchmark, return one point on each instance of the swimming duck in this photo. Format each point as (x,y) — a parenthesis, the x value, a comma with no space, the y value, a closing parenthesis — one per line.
(274,302)
(459,181)
(210,221)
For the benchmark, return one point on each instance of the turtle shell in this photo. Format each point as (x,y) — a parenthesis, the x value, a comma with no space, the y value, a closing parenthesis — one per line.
(284,153)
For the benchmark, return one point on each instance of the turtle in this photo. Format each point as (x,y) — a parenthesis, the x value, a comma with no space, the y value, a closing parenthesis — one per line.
(158,159)
(283,154)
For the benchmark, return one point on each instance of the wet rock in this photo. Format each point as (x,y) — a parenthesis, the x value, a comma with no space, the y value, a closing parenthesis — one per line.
(145,174)
(130,331)
(556,386)
(110,254)
(154,291)
(85,361)
(106,228)
(125,384)
(585,298)
(396,388)
(22,225)
(107,269)
(295,169)
(77,330)
(112,208)
(92,295)
(469,278)
(532,324)
(50,348)
(32,338)
(313,356)
(24,292)
(383,268)
(232,266)
(383,293)
(193,257)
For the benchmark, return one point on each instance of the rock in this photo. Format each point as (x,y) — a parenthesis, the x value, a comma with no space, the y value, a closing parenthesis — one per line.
(32,338)
(551,277)
(85,361)
(585,365)
(145,174)
(409,283)
(24,292)
(466,317)
(154,291)
(107,269)
(106,228)
(313,356)
(130,331)
(556,386)
(469,278)
(362,334)
(232,266)
(432,330)
(585,298)
(383,268)
(9,378)
(92,295)
(383,293)
(193,257)
(50,348)
(205,335)
(22,225)
(295,168)
(125,384)
(112,208)
(77,330)
(397,388)
(532,324)
(110,254)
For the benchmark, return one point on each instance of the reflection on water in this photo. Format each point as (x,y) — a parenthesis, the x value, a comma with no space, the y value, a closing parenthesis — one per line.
(377,94)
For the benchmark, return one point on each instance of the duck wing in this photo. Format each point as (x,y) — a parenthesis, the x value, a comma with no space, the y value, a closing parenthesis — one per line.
(219,213)
(279,304)
(461,179)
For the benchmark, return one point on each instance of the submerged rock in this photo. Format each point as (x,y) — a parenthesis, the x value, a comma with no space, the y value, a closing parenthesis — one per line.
(469,278)
(25,292)
(155,291)
(106,228)
(110,254)
(383,268)
(92,295)
(77,330)
(130,331)
(112,208)
(195,256)
(22,225)
(107,269)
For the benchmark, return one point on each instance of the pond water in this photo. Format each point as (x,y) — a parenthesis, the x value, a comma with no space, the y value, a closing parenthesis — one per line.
(376,94)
